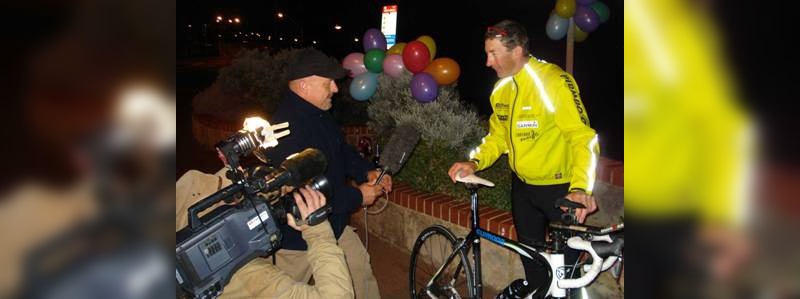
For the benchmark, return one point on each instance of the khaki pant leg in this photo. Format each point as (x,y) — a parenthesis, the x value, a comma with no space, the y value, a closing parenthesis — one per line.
(364,283)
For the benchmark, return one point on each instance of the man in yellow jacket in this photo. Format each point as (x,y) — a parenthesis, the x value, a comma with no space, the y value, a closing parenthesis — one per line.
(539,120)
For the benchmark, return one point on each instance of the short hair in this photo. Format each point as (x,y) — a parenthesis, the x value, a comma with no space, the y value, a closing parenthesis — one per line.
(510,34)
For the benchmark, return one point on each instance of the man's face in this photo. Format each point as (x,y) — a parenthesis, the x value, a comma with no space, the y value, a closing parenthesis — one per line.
(501,59)
(318,91)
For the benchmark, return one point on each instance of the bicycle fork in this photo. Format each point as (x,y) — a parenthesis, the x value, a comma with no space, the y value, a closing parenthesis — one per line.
(462,245)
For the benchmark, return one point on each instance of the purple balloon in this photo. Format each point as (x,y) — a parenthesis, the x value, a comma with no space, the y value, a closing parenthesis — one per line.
(354,64)
(424,88)
(585,2)
(374,39)
(393,65)
(586,19)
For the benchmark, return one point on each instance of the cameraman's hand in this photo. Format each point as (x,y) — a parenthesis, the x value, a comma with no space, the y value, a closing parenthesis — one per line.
(369,193)
(313,201)
(386,181)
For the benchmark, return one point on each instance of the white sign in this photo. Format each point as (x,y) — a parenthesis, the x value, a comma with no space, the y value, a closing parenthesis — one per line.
(389,24)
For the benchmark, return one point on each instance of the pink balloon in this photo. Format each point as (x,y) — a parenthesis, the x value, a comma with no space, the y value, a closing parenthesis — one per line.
(393,65)
(354,64)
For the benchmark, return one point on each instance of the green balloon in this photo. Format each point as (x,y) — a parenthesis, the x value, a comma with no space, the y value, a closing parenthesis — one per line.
(602,10)
(373,60)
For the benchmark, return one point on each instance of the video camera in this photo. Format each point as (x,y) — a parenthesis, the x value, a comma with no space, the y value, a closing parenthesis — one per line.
(211,248)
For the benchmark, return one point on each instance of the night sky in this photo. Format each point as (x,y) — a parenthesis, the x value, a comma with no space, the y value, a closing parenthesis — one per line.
(457,27)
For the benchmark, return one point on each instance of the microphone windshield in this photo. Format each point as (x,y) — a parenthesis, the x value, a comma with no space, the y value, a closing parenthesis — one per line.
(399,148)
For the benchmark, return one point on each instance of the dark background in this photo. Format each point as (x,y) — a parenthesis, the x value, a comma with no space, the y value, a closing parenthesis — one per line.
(457,27)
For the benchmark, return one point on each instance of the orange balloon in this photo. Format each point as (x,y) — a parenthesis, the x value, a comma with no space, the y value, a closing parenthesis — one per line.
(444,70)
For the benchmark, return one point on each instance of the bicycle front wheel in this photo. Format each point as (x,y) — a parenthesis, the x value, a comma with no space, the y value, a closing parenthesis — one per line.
(434,245)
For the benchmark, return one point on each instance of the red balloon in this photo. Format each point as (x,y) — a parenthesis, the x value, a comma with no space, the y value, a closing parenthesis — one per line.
(416,56)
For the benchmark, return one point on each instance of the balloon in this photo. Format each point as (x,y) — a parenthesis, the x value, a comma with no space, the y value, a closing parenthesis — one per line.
(556,27)
(565,8)
(586,18)
(396,49)
(580,35)
(444,70)
(373,60)
(585,2)
(602,11)
(428,41)
(354,64)
(393,65)
(416,56)
(424,88)
(364,86)
(374,39)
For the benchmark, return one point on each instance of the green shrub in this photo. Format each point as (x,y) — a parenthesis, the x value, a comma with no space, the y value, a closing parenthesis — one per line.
(449,131)
(256,81)
(426,170)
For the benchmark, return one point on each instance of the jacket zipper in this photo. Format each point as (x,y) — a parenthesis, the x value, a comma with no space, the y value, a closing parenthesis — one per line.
(511,125)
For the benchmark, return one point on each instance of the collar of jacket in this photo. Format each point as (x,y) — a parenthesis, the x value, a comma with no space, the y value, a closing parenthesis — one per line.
(301,105)
(534,63)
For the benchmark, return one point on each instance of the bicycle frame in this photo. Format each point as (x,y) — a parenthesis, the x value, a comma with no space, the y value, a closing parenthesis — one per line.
(550,262)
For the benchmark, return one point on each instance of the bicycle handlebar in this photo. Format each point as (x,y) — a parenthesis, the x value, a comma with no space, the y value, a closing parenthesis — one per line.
(598,265)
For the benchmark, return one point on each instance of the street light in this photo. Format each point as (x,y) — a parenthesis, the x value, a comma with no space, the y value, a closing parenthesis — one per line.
(337,27)
(300,26)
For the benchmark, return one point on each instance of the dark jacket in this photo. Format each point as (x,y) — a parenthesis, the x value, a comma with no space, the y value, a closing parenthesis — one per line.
(312,127)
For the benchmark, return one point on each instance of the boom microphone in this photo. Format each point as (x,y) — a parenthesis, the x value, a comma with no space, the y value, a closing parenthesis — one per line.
(398,149)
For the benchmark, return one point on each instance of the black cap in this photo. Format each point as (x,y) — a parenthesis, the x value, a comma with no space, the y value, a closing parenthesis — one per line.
(308,62)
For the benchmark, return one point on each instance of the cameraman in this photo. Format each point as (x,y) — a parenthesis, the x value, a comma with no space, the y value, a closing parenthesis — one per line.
(260,278)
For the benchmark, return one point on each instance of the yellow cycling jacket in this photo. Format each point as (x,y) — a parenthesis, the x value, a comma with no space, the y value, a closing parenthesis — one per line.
(540,122)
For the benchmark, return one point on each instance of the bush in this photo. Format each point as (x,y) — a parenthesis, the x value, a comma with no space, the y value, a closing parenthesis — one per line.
(426,170)
(445,120)
(257,80)
(449,131)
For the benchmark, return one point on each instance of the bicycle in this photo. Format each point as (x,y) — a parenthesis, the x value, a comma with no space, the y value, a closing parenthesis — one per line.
(454,277)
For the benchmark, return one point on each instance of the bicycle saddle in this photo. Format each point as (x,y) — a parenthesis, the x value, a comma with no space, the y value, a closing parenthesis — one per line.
(473,179)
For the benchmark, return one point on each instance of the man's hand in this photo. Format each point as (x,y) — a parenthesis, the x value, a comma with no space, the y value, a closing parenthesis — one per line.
(386,181)
(369,193)
(586,200)
(465,168)
(313,201)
